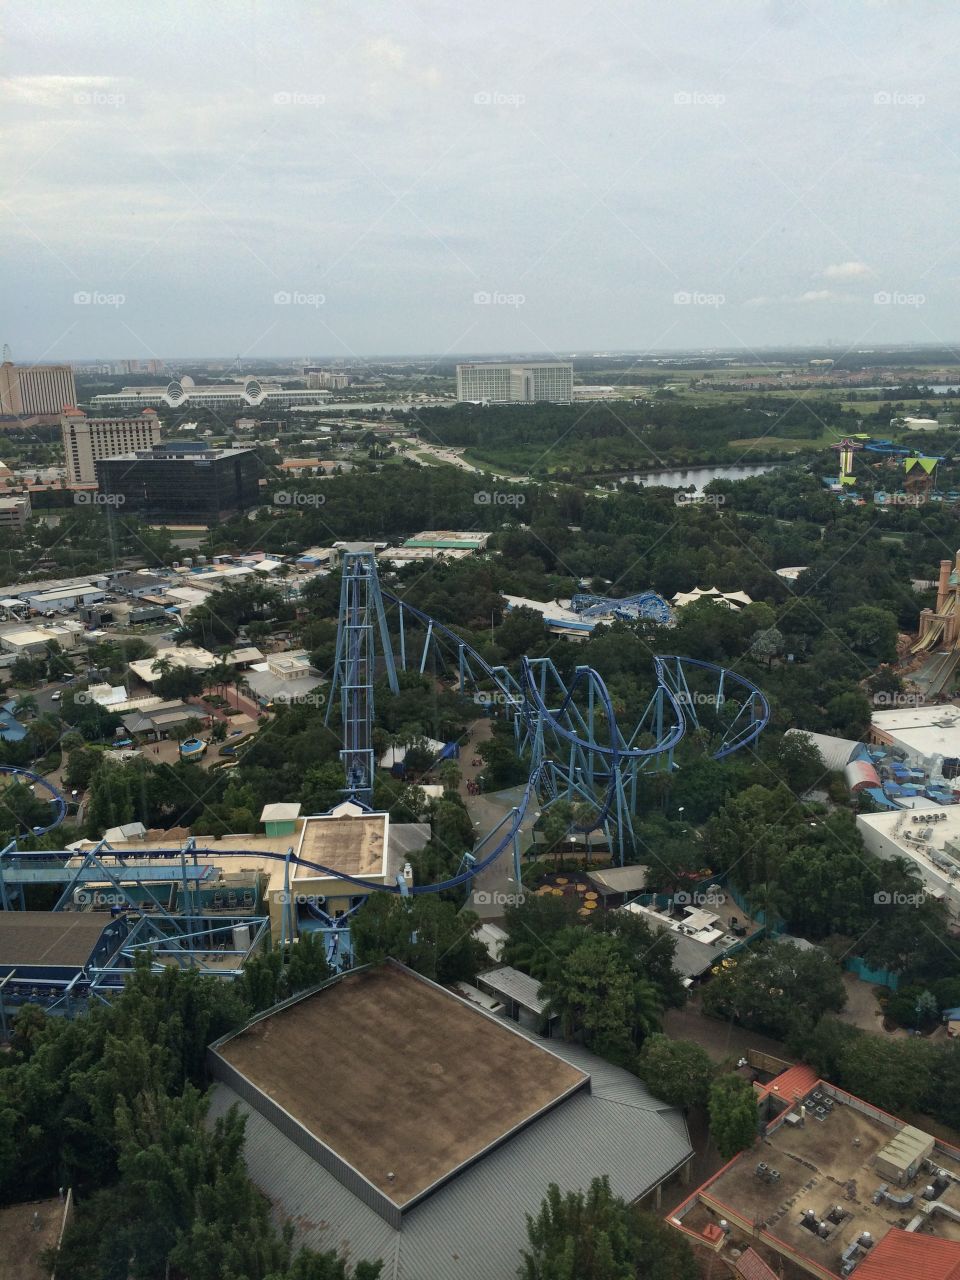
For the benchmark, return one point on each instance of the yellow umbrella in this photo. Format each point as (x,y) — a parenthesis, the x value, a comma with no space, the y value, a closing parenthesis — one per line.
(583,912)
(562,880)
(581,888)
(590,906)
(558,892)
(591,896)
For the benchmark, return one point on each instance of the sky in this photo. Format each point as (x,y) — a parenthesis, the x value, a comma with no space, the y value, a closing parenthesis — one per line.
(312,177)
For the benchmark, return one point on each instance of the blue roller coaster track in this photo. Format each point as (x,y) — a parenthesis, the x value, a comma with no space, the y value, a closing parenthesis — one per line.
(570,734)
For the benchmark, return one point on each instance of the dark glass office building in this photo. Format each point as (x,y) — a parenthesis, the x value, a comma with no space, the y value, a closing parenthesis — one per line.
(173,482)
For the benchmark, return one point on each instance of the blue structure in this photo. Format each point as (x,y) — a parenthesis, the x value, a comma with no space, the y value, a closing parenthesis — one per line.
(578,753)
(647,605)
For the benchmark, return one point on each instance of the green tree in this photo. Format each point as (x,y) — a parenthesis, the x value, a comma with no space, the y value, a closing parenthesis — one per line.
(678,1071)
(733,1115)
(594,1235)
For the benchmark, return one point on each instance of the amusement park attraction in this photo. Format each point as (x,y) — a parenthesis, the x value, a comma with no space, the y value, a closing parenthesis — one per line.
(569,734)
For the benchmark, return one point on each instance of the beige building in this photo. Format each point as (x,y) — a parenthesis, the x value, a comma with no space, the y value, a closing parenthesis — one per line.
(14,511)
(26,390)
(86,440)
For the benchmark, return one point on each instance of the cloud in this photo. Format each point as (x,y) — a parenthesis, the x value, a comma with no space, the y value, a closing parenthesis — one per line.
(49,91)
(818,295)
(847,271)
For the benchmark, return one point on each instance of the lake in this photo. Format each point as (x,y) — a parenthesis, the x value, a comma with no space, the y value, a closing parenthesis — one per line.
(699,477)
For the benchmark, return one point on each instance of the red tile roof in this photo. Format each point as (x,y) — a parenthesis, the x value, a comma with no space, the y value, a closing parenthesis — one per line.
(791,1085)
(750,1266)
(902,1254)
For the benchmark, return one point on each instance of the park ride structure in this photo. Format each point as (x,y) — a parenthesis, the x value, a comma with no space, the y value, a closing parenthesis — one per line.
(567,730)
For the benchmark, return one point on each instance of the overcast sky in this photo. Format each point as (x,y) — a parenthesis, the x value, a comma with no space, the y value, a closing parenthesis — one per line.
(317,177)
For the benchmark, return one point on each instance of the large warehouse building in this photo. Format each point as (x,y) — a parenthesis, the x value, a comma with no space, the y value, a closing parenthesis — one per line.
(436,1127)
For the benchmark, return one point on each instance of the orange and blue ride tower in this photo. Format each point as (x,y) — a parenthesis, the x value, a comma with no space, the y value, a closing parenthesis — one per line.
(846,449)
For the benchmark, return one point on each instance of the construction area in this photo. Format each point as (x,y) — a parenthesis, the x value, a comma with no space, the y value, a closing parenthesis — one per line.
(394,1050)
(831,1177)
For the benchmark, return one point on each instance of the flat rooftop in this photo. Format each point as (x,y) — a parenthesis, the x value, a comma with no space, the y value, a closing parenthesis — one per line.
(824,1164)
(396,1075)
(62,938)
(353,845)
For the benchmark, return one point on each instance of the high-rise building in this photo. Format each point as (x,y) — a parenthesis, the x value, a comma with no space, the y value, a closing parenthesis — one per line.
(173,482)
(516,383)
(34,390)
(87,439)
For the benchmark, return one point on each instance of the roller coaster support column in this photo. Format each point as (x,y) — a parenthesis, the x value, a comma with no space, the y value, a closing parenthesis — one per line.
(286,916)
(11,849)
(362,621)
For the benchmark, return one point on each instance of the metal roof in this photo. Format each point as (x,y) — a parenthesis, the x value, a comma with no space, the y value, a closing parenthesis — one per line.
(514,985)
(475,1226)
(630,879)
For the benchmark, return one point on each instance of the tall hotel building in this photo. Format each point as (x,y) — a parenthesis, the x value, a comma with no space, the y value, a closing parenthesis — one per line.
(86,440)
(516,383)
(30,390)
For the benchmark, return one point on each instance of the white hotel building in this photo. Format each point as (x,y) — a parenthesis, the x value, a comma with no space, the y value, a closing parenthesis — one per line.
(550,380)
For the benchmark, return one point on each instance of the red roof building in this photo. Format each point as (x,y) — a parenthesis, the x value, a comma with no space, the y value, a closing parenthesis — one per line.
(792,1085)
(750,1266)
(906,1255)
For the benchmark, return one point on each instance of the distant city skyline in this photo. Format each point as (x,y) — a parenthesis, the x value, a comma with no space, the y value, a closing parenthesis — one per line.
(435,180)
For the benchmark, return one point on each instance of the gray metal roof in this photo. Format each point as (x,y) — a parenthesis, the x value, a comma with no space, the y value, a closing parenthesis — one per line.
(474,1227)
(630,879)
(693,957)
(514,985)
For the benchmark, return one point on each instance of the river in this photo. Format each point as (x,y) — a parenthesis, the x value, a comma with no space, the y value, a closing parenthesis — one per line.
(699,477)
